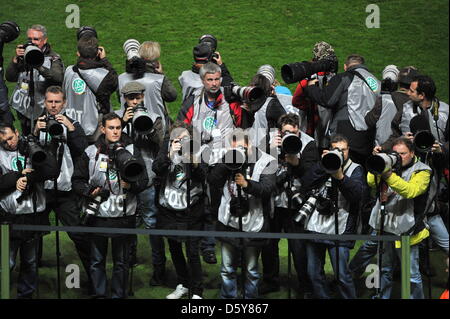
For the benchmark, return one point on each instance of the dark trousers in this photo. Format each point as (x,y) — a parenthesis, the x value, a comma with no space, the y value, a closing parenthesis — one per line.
(66,206)
(316,262)
(283,221)
(189,277)
(28,277)
(208,243)
(120,256)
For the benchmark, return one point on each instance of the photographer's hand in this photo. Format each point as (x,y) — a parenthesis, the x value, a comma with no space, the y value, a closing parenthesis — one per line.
(276,141)
(292,159)
(65,121)
(409,136)
(436,148)
(41,124)
(313,82)
(377,149)
(95,192)
(158,67)
(240,180)
(125,185)
(174,147)
(129,113)
(101,52)
(20,52)
(27,171)
(339,175)
(218,59)
(21,184)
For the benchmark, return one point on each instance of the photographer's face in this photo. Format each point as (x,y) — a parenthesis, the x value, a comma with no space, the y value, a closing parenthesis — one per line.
(112,130)
(413,94)
(134,100)
(343,146)
(404,152)
(9,140)
(290,129)
(212,82)
(54,103)
(37,37)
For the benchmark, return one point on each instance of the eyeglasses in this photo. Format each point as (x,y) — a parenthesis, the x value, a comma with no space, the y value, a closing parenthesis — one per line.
(133,96)
(35,39)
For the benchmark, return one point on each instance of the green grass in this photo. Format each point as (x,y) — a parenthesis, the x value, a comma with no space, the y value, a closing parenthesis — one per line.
(250,33)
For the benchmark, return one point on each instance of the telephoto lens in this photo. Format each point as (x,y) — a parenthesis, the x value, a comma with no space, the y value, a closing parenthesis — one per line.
(306,210)
(294,72)
(291,144)
(131,48)
(235,158)
(86,31)
(142,122)
(382,162)
(33,56)
(248,93)
(129,167)
(423,141)
(332,161)
(9,31)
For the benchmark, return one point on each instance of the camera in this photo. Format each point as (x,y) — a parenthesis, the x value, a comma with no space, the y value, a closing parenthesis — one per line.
(131,47)
(383,162)
(325,205)
(290,143)
(142,122)
(54,128)
(30,148)
(86,31)
(93,205)
(235,159)
(33,56)
(129,167)
(9,31)
(239,207)
(423,141)
(210,40)
(306,210)
(298,71)
(333,160)
(246,94)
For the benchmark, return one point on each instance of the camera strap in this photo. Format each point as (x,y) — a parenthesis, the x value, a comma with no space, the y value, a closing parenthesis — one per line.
(354,72)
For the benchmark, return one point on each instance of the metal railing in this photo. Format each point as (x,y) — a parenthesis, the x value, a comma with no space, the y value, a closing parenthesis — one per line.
(6,228)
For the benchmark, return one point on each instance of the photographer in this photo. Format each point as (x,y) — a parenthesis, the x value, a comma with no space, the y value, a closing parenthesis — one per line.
(22,199)
(245,204)
(214,119)
(51,72)
(88,85)
(179,173)
(147,70)
(350,95)
(65,140)
(405,201)
(267,115)
(335,212)
(203,52)
(148,141)
(100,177)
(291,168)
(388,109)
(315,117)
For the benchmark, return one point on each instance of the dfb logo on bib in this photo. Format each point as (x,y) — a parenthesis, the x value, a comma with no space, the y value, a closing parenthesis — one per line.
(78,86)
(209,123)
(15,160)
(372,83)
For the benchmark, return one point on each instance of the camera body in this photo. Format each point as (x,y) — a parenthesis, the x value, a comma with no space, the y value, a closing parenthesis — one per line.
(298,71)
(54,128)
(93,205)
